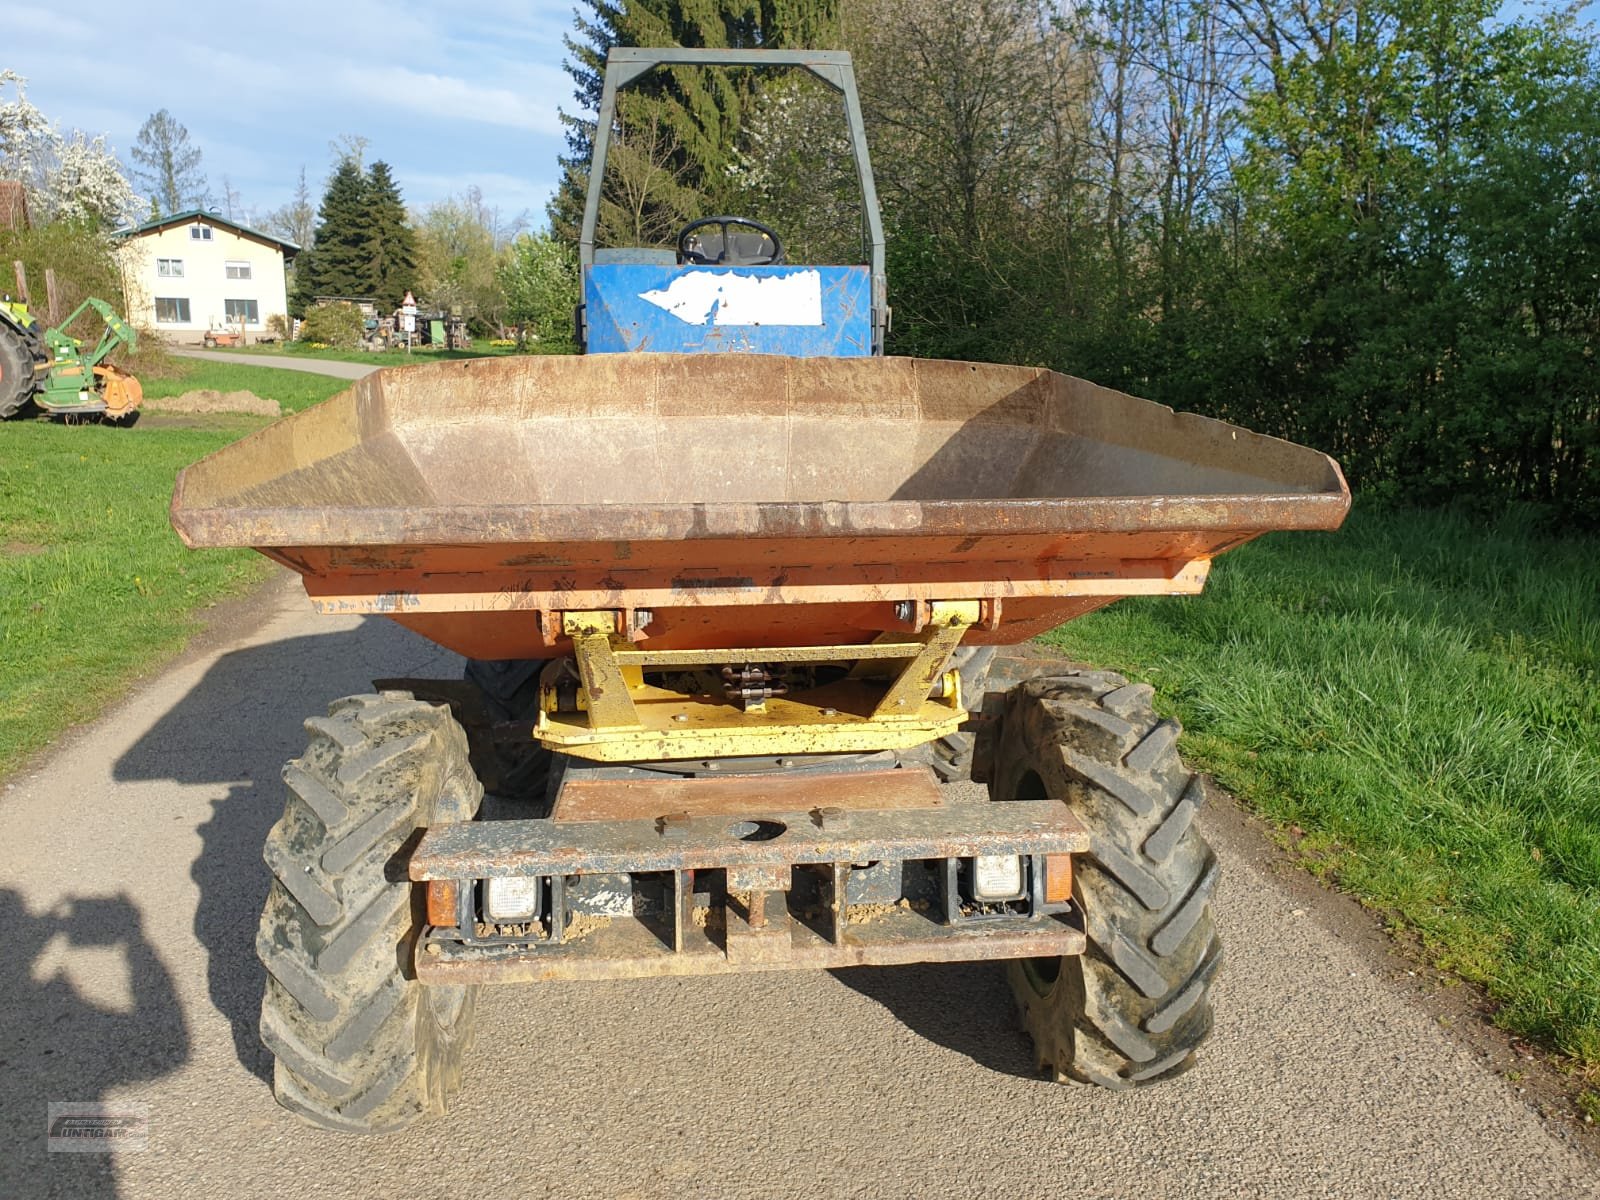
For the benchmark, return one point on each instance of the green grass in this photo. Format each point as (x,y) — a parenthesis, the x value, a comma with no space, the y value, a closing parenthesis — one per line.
(94,585)
(1589,1106)
(294,390)
(382,358)
(1421,697)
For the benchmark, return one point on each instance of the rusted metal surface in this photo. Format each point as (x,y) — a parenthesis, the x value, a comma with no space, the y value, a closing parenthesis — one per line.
(472,501)
(625,949)
(633,799)
(483,849)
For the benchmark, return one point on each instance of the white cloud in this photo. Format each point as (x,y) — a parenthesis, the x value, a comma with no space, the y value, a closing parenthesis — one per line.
(447,97)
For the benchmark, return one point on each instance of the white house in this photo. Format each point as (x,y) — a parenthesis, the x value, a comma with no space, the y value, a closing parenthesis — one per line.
(195,271)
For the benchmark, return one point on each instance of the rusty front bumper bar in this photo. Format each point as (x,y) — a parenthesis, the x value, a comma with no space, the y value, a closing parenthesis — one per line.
(689,894)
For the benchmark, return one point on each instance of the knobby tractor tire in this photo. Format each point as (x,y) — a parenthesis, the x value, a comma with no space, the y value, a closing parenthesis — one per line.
(950,757)
(16,371)
(360,1045)
(510,689)
(1135,1006)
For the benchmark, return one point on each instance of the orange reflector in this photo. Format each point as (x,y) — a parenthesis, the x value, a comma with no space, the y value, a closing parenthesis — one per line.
(442,903)
(1057,878)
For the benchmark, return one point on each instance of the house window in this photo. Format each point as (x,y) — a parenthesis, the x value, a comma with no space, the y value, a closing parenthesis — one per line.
(172,310)
(169,268)
(238,270)
(242,310)
(200,233)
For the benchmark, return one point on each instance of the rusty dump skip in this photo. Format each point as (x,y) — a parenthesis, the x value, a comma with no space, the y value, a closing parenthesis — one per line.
(726,501)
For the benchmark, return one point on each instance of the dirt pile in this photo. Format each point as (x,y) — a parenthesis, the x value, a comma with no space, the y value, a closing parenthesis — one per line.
(209,400)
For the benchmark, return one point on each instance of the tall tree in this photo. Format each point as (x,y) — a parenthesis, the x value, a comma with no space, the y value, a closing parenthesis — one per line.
(296,220)
(233,205)
(458,255)
(391,246)
(338,263)
(167,164)
(700,112)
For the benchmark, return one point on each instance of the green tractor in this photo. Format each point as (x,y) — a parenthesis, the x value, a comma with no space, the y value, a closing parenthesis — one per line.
(53,370)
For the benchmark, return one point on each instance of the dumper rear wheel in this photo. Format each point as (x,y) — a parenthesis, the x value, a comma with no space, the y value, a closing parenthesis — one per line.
(510,689)
(950,757)
(360,1045)
(1133,1009)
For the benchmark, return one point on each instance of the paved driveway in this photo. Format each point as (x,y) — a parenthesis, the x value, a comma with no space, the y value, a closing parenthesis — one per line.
(130,883)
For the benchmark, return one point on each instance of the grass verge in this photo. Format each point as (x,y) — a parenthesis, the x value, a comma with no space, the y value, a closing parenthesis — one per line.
(94,585)
(381,358)
(1417,701)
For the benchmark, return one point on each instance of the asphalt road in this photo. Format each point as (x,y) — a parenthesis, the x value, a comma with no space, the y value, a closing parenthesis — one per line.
(311,366)
(131,879)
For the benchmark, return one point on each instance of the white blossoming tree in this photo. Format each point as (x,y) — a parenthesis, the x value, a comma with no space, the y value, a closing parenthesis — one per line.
(67,176)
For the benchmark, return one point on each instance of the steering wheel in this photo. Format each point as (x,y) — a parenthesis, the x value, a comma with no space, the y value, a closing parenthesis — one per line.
(729,249)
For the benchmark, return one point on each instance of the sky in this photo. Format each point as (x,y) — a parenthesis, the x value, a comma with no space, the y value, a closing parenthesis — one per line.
(450,96)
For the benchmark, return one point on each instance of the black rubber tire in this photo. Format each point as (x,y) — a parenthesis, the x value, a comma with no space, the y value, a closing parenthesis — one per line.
(950,757)
(360,1045)
(16,371)
(1134,1008)
(510,690)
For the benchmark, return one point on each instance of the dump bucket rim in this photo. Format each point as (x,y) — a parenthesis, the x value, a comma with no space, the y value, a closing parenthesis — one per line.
(458,525)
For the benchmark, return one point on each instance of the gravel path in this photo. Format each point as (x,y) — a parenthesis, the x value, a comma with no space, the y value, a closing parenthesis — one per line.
(312,366)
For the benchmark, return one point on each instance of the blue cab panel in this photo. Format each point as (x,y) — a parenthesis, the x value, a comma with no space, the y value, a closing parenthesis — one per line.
(808,312)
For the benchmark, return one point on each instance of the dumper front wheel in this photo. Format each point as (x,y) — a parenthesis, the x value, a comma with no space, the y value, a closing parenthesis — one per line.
(1135,1006)
(360,1045)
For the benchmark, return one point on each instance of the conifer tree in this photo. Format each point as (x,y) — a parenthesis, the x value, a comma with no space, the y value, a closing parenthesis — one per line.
(391,245)
(338,262)
(702,110)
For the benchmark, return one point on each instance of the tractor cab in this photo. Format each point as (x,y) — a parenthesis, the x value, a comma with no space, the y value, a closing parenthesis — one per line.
(727,286)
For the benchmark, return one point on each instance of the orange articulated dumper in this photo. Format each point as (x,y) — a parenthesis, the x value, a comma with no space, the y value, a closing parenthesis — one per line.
(730,596)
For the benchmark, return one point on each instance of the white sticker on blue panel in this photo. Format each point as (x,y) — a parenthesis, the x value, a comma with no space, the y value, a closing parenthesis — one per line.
(728,298)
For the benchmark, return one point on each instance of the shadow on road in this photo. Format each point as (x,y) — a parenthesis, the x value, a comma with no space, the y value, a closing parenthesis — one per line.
(236,728)
(63,1046)
(965,1007)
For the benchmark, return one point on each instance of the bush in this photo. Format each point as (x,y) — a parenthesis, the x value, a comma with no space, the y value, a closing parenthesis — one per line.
(151,360)
(540,278)
(84,266)
(278,326)
(338,324)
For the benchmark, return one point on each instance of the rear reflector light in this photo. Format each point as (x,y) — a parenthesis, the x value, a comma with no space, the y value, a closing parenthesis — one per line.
(1057,878)
(442,903)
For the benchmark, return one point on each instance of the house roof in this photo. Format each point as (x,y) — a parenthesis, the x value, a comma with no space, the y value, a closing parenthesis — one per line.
(210,218)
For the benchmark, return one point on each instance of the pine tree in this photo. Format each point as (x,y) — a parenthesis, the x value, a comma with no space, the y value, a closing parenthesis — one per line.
(338,262)
(391,247)
(701,109)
